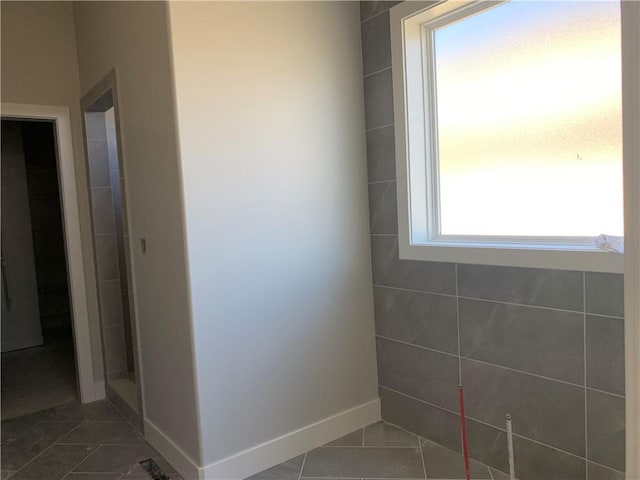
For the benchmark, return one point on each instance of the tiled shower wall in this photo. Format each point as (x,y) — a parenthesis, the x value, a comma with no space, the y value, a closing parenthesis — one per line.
(106,248)
(122,236)
(545,346)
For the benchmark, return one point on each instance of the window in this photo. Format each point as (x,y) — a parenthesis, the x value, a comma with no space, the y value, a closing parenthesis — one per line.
(508,132)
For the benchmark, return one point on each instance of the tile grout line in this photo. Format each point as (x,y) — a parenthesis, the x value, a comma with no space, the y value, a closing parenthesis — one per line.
(80,462)
(532,440)
(604,466)
(374,16)
(54,442)
(379,127)
(490,472)
(304,460)
(435,350)
(29,428)
(375,182)
(124,418)
(370,74)
(488,299)
(390,447)
(471,359)
(584,356)
(424,465)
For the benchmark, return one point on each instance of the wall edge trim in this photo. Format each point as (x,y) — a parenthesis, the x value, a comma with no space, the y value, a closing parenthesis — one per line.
(177,457)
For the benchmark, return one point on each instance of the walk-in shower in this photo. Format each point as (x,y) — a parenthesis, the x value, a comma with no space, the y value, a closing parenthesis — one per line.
(112,256)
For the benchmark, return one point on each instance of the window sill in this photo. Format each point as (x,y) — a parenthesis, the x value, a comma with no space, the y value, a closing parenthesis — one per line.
(582,259)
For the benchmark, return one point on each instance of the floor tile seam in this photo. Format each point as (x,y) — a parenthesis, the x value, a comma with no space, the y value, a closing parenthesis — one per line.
(451,450)
(398,447)
(385,478)
(84,420)
(53,443)
(490,472)
(105,444)
(472,359)
(424,465)
(407,431)
(56,410)
(69,432)
(124,418)
(482,422)
(83,459)
(304,460)
(99,473)
(26,430)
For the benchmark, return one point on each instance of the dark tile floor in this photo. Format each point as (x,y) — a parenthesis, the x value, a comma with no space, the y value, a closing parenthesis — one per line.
(380,451)
(37,378)
(75,442)
(94,442)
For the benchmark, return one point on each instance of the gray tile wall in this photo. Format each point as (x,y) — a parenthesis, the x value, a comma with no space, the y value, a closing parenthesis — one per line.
(122,236)
(108,207)
(106,248)
(543,345)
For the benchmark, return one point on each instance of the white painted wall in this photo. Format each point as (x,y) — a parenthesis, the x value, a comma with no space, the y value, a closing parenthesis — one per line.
(39,65)
(132,38)
(271,127)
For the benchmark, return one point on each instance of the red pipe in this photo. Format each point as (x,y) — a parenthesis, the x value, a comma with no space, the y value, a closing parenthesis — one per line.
(463,425)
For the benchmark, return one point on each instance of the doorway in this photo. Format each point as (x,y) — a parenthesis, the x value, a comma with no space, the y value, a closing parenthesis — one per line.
(111,245)
(38,358)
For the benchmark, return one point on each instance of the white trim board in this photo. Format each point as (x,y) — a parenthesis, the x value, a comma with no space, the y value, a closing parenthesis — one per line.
(419,234)
(60,116)
(267,454)
(631,154)
(171,452)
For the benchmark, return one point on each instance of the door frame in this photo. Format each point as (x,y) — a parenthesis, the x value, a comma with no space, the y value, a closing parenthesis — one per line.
(60,117)
(631,155)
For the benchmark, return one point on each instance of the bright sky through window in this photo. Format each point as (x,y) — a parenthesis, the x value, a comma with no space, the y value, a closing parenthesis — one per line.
(529,120)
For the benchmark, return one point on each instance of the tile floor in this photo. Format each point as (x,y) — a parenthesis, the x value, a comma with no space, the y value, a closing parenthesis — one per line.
(75,442)
(94,442)
(380,451)
(40,377)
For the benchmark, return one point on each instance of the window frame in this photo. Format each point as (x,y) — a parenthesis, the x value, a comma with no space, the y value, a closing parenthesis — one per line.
(416,151)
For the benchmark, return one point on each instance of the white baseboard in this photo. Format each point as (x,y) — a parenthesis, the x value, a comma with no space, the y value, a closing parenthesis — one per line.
(292,444)
(267,454)
(182,462)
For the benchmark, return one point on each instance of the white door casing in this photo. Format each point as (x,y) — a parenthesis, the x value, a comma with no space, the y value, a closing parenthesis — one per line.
(60,116)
